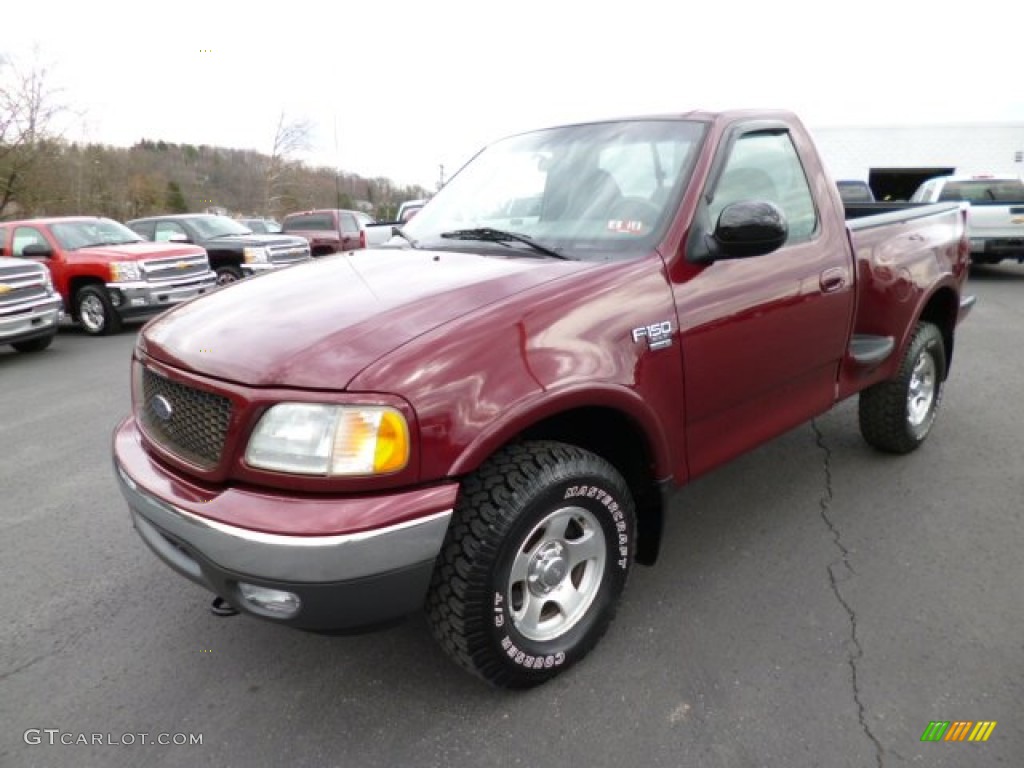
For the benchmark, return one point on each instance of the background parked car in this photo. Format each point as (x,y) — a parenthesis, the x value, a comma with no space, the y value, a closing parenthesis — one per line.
(30,307)
(995,219)
(234,250)
(855,191)
(262,226)
(105,272)
(329,230)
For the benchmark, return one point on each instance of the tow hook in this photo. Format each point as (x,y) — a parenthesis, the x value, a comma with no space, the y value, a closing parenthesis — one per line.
(221,607)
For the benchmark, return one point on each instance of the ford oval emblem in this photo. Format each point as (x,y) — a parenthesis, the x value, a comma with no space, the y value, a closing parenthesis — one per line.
(161,408)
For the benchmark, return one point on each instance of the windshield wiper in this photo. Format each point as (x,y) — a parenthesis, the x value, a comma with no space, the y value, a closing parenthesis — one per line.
(489,235)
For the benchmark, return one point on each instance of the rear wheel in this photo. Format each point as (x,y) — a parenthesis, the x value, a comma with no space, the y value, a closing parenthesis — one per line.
(536,557)
(34,345)
(95,312)
(897,415)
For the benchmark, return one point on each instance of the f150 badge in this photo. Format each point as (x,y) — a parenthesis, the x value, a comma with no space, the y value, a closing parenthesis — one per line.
(658,335)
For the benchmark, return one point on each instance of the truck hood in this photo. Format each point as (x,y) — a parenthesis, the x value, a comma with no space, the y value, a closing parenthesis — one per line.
(133,252)
(318,324)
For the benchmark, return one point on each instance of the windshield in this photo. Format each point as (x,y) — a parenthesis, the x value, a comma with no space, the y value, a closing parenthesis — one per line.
(588,191)
(261,226)
(984,191)
(218,226)
(86,233)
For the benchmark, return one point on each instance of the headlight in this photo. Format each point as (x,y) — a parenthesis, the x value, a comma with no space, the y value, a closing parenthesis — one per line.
(48,281)
(256,255)
(332,440)
(125,272)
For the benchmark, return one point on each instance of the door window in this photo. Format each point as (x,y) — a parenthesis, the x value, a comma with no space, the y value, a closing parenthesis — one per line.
(765,166)
(26,236)
(165,229)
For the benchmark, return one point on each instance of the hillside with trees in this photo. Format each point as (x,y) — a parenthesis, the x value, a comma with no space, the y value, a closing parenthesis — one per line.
(43,174)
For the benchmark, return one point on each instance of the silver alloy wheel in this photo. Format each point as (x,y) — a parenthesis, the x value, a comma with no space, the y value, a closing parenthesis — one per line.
(921,392)
(557,573)
(92,313)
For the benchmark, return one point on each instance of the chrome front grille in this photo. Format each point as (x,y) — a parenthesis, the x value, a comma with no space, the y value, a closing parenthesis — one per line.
(289,254)
(20,287)
(167,270)
(190,423)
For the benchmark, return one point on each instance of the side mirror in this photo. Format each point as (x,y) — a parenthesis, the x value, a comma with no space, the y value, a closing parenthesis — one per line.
(177,237)
(750,228)
(744,229)
(38,250)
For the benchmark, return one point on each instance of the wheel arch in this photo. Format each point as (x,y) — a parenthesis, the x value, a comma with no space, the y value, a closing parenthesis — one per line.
(941,310)
(224,258)
(613,424)
(77,283)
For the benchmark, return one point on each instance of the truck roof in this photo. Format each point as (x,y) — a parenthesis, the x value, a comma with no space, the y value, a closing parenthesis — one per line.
(50,220)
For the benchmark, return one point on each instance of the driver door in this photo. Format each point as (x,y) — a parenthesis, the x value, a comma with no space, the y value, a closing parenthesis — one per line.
(762,337)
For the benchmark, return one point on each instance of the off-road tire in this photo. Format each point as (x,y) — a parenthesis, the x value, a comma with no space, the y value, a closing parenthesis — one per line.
(897,415)
(536,557)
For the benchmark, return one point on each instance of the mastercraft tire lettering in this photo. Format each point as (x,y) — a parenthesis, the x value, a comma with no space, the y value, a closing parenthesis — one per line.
(535,560)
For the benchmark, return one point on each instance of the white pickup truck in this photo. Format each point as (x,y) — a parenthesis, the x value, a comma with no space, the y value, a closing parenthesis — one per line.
(995,219)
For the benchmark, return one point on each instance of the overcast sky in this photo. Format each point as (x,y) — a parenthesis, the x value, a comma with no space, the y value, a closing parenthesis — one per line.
(399,88)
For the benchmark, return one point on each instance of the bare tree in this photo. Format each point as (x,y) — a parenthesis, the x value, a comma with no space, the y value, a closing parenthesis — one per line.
(290,138)
(28,113)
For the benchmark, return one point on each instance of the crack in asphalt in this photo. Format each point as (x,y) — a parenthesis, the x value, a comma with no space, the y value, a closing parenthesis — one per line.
(858,652)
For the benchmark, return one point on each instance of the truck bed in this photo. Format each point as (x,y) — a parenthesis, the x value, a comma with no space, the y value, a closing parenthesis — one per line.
(860,216)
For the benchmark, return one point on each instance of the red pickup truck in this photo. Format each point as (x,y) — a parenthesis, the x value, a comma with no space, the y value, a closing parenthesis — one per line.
(329,230)
(104,272)
(488,422)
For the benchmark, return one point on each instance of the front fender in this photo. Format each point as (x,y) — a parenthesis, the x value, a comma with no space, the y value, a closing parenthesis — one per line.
(545,405)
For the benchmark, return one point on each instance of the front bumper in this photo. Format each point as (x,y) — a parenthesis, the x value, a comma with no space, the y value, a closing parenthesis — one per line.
(261,268)
(140,299)
(25,323)
(344,580)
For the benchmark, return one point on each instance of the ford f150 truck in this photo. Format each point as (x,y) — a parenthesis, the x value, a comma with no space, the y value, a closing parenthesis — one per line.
(234,250)
(104,272)
(488,423)
(30,307)
(995,219)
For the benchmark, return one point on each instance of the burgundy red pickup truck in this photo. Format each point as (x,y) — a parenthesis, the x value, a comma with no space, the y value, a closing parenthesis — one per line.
(487,423)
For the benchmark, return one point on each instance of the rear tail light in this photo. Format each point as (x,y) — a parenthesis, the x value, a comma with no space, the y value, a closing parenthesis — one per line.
(362,238)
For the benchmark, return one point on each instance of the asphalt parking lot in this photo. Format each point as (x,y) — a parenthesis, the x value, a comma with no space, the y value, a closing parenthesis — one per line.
(816,604)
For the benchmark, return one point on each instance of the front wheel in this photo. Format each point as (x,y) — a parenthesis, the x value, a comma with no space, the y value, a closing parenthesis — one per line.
(536,557)
(897,415)
(95,312)
(34,345)
(228,275)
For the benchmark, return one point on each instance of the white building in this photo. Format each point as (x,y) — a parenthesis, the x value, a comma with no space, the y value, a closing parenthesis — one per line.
(895,159)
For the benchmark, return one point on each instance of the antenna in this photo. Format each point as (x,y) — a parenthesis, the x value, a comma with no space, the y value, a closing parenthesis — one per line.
(337,171)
